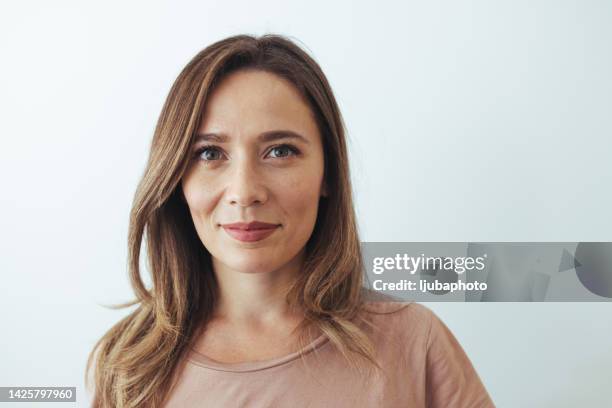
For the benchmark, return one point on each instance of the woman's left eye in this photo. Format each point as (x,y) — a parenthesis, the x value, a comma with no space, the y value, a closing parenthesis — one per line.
(284,151)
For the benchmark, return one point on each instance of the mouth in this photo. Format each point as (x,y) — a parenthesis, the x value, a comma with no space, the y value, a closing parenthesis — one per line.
(250,232)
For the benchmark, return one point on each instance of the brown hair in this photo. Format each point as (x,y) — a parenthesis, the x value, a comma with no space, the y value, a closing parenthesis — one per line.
(137,358)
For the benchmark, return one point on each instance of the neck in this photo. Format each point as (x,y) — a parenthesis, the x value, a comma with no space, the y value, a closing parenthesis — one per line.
(256,298)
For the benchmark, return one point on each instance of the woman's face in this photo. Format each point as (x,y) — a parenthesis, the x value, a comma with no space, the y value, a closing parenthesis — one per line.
(258,157)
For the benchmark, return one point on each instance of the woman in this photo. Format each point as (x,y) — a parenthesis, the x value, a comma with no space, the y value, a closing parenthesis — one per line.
(252,243)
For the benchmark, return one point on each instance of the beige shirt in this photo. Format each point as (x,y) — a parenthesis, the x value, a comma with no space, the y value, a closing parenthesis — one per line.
(424,366)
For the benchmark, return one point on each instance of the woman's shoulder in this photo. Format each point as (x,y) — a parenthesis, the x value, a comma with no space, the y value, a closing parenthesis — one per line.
(413,335)
(407,321)
(393,309)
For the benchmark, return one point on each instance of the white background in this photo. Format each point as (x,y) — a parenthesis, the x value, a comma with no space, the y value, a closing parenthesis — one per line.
(467,121)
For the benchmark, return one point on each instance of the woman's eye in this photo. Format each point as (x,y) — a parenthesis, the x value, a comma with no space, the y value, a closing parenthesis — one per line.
(283,151)
(208,153)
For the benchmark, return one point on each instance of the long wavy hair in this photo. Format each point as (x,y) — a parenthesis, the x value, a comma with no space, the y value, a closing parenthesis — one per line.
(136,359)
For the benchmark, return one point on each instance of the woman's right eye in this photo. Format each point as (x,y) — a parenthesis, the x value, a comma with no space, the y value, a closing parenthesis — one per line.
(208,153)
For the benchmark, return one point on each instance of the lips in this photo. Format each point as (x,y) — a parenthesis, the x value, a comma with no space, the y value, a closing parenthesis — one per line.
(251,231)
(247,226)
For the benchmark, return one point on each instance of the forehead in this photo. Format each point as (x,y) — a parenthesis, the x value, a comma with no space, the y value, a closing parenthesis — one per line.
(249,102)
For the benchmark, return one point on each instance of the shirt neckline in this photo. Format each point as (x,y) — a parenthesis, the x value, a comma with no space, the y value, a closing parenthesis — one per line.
(247,366)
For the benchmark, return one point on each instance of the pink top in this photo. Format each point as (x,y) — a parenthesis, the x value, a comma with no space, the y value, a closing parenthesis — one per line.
(424,366)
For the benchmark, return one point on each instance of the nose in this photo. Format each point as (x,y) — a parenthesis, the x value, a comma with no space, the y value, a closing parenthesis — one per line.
(245,186)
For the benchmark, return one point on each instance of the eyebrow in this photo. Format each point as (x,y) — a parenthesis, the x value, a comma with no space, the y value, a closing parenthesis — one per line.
(268,136)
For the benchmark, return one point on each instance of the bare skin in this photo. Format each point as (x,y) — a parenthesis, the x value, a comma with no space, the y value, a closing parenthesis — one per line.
(244,178)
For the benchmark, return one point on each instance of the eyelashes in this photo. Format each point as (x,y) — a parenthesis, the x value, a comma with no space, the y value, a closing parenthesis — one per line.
(202,149)
(291,151)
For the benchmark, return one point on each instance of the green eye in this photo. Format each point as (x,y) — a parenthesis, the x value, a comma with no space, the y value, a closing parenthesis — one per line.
(284,150)
(208,153)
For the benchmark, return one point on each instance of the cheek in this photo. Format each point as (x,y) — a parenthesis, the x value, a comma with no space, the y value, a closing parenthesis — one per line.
(200,201)
(197,199)
(300,196)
